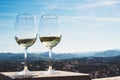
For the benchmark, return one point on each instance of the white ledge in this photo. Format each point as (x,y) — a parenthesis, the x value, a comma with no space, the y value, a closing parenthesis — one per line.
(62,75)
(109,78)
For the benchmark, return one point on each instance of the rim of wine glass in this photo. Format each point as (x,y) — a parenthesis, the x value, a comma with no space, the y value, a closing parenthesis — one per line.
(25,15)
(49,16)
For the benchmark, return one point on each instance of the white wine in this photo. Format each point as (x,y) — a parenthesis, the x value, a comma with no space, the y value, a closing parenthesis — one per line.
(25,42)
(51,41)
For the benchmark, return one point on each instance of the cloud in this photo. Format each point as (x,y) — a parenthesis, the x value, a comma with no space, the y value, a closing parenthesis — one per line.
(7,3)
(102,3)
(92,18)
(79,5)
(7,24)
(8,14)
(74,5)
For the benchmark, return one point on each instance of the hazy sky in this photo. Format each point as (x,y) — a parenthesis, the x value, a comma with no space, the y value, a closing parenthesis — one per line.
(87,25)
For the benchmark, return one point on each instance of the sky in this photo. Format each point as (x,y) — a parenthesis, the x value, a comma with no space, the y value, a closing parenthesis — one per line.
(87,25)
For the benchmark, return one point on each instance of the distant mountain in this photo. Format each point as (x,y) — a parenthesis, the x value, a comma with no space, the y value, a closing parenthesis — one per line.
(107,53)
(44,56)
(10,56)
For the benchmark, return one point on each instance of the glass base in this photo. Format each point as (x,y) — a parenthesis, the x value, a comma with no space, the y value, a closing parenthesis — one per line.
(24,74)
(51,71)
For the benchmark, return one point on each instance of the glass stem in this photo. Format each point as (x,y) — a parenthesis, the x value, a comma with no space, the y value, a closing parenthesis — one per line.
(50,59)
(25,60)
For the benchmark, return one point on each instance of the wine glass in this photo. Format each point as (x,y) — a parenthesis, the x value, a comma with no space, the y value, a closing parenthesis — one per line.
(25,35)
(50,35)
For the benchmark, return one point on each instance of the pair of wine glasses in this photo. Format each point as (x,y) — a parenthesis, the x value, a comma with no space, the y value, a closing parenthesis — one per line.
(25,34)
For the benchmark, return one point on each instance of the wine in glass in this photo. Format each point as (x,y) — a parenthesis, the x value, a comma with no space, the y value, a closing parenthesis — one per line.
(25,35)
(50,35)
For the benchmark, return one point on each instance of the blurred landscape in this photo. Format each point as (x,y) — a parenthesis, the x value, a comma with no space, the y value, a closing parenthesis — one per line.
(98,64)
